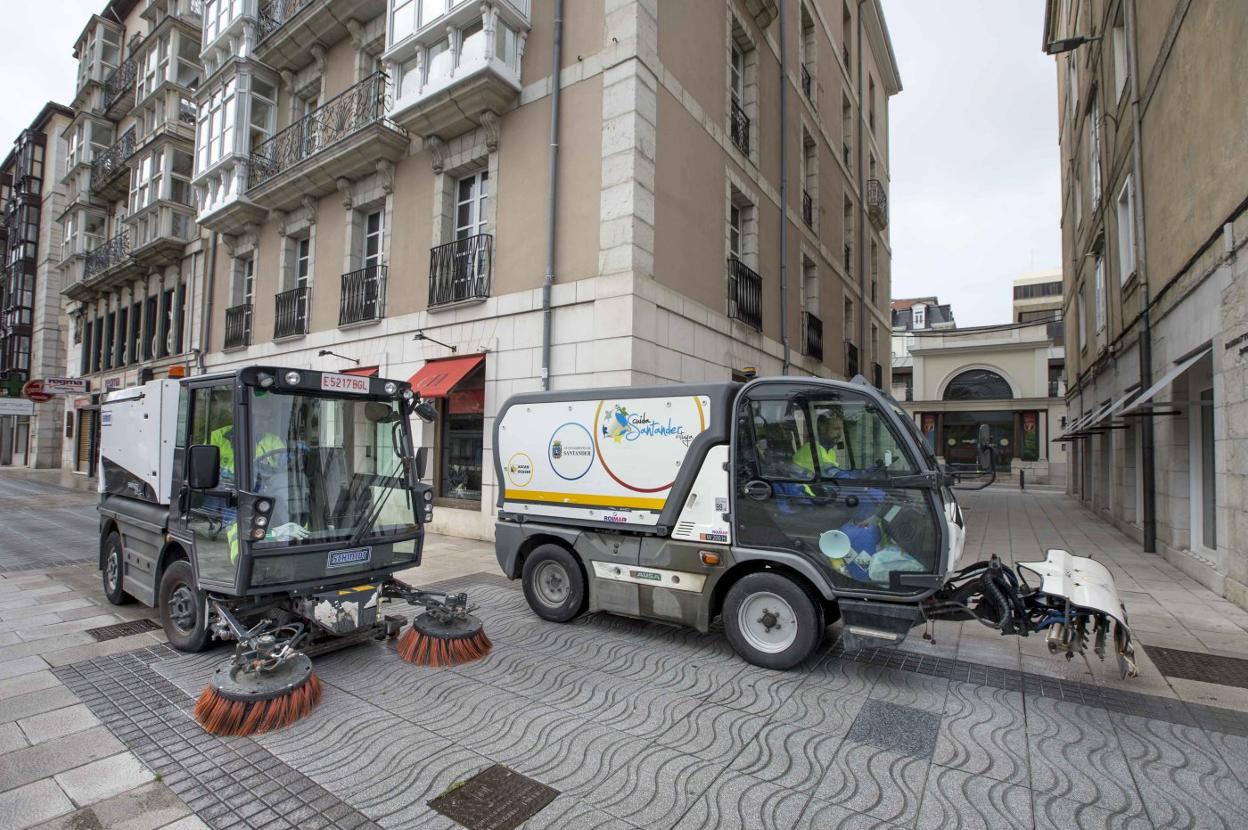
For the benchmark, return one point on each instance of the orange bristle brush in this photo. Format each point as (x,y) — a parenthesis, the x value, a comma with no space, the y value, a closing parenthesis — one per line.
(241,702)
(438,640)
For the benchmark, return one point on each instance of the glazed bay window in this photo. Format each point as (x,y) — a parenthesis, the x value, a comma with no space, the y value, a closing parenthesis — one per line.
(215,138)
(218,15)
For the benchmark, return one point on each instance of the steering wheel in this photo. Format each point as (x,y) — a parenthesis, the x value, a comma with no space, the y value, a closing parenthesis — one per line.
(269,458)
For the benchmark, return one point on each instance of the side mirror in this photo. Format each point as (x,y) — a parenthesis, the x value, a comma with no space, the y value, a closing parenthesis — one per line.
(203,466)
(422,459)
(426,412)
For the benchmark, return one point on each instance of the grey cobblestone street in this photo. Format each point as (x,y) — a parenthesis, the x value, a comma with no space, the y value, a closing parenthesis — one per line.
(634,724)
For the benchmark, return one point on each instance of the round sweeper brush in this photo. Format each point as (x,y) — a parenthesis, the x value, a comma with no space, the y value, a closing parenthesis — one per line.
(435,639)
(243,702)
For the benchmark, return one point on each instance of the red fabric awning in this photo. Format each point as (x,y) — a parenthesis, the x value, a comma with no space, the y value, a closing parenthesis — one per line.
(363,371)
(437,377)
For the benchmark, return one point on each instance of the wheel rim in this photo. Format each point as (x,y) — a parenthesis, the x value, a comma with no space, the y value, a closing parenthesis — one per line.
(767,622)
(552,584)
(112,570)
(182,608)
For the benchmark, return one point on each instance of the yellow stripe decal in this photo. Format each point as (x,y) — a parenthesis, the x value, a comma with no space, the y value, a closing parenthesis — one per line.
(586,500)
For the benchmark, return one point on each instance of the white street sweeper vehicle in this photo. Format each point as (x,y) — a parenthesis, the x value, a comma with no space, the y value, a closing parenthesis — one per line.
(778,505)
(271,507)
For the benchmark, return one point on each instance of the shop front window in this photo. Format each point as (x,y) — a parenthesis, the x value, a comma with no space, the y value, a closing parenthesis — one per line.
(462,436)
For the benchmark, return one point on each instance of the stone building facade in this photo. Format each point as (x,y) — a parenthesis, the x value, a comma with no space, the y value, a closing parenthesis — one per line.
(376,185)
(1153,142)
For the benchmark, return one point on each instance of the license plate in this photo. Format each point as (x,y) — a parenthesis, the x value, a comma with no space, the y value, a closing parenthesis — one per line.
(353,384)
(350,557)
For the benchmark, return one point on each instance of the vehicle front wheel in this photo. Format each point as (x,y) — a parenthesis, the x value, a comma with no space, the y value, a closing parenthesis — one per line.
(183,610)
(771,621)
(553,584)
(112,570)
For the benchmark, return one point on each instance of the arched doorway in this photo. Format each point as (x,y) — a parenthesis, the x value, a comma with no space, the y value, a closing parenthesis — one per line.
(961,427)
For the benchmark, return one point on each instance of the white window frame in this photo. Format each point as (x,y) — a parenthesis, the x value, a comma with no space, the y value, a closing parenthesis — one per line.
(301,262)
(1119,38)
(1083,320)
(378,236)
(478,202)
(1099,275)
(918,316)
(1126,230)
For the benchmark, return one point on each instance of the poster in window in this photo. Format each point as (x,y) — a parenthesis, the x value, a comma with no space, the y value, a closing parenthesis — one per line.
(929,430)
(1031,437)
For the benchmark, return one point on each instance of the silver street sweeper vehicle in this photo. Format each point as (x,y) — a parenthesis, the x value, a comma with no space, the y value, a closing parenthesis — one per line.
(779,505)
(272,507)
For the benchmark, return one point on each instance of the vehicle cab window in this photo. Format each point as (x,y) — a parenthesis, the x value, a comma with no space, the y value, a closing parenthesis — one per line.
(821,473)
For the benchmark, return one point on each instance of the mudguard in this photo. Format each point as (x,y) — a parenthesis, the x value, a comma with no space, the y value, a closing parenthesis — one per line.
(1088,586)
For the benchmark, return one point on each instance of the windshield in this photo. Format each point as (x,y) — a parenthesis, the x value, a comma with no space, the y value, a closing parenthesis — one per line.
(331,467)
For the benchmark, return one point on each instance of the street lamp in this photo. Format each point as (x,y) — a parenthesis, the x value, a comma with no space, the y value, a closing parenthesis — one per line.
(420,335)
(1068,44)
(324,352)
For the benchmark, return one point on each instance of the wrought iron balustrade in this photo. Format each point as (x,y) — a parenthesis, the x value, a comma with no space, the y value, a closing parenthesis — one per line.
(107,165)
(877,203)
(808,209)
(851,360)
(739,127)
(120,81)
(113,252)
(808,84)
(290,312)
(238,326)
(277,13)
(363,295)
(745,294)
(813,335)
(461,270)
(348,112)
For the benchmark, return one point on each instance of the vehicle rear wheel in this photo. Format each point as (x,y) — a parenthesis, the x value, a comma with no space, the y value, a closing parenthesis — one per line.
(553,584)
(771,621)
(112,570)
(183,610)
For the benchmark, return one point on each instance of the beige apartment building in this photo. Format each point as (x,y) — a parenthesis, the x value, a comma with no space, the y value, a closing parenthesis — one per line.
(384,195)
(1154,142)
(131,255)
(31,341)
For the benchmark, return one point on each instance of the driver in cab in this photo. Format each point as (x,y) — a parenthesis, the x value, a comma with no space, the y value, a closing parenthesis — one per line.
(830,436)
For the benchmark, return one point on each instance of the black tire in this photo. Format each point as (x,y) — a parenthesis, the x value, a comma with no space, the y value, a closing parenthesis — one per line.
(111,570)
(553,583)
(789,624)
(183,611)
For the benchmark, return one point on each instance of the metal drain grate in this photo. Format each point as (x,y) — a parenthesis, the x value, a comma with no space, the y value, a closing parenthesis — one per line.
(496,798)
(1208,668)
(112,632)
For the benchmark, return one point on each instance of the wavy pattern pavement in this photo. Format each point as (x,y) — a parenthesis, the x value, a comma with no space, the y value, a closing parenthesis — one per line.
(651,726)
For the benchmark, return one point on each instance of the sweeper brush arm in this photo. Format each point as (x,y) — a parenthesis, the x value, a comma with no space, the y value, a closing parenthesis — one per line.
(446,634)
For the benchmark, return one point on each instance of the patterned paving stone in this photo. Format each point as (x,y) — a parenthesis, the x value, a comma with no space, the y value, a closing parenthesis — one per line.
(957,799)
(896,728)
(655,788)
(866,779)
(736,802)
(984,732)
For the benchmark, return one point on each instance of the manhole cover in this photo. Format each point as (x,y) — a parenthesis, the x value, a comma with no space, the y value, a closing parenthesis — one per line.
(1191,665)
(497,798)
(112,632)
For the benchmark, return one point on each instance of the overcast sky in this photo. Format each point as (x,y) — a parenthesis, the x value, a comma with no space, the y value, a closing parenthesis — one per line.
(975,198)
(975,195)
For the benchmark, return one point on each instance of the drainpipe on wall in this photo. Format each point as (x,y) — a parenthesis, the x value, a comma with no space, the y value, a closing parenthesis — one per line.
(552,192)
(784,198)
(1148,460)
(205,329)
(861,235)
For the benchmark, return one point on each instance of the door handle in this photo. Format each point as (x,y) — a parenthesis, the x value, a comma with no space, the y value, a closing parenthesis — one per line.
(757,490)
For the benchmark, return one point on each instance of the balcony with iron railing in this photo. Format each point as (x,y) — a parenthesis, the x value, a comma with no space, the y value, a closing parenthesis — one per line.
(290,313)
(851,360)
(745,294)
(160,232)
(110,263)
(288,26)
(461,271)
(116,85)
(739,127)
(363,298)
(808,209)
(808,85)
(812,336)
(1057,389)
(344,138)
(109,173)
(877,204)
(237,326)
(446,86)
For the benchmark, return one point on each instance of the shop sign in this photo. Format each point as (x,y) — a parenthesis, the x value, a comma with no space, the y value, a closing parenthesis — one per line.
(66,386)
(34,391)
(16,406)
(112,384)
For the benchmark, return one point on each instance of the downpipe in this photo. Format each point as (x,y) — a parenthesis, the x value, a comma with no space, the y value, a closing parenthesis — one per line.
(784,199)
(552,193)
